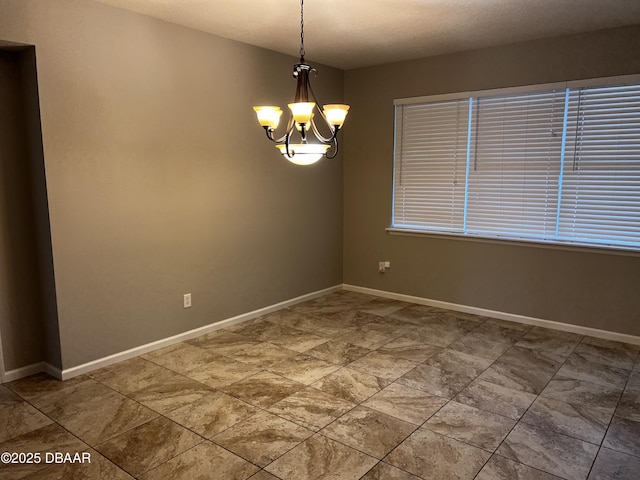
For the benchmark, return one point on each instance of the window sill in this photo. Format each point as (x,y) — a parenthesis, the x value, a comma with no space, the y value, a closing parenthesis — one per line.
(576,247)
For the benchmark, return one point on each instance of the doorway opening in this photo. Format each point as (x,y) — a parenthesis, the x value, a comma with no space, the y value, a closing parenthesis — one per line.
(27,291)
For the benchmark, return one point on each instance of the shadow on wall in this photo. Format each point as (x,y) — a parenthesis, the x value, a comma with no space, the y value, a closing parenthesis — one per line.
(28,318)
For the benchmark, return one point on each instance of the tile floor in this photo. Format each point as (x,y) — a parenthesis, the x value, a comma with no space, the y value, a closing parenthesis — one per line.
(347,386)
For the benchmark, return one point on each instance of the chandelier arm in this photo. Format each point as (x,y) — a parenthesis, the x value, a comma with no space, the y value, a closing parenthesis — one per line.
(320,137)
(333,129)
(287,138)
(315,99)
(335,150)
(270,132)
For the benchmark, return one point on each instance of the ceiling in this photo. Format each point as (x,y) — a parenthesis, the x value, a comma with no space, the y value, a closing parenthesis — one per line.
(356,33)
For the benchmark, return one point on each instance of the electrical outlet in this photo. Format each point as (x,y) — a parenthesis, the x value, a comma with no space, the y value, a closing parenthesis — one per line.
(381,268)
(187,300)
(387,264)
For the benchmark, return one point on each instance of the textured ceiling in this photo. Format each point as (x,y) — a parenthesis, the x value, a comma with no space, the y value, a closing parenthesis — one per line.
(355,33)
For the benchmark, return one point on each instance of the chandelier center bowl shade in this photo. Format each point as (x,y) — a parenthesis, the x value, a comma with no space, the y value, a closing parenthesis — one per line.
(302,118)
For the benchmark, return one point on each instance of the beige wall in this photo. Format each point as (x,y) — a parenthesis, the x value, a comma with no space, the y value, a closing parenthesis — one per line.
(160,182)
(572,286)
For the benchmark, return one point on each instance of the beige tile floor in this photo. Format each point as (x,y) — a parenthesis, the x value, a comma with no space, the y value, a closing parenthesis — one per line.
(346,386)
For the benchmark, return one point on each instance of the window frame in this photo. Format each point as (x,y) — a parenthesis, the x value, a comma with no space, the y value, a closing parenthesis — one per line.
(555,243)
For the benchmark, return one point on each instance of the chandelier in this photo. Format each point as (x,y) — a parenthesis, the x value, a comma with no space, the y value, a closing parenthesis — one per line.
(302,118)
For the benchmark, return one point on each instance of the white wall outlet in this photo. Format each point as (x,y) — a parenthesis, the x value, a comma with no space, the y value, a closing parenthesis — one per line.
(186,300)
(387,264)
(381,268)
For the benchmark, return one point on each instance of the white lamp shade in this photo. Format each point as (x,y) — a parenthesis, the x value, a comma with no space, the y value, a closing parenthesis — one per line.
(307,125)
(303,153)
(268,116)
(336,113)
(302,111)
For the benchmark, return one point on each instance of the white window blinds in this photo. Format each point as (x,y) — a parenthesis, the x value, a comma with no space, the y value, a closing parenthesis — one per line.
(431,160)
(513,177)
(601,185)
(547,164)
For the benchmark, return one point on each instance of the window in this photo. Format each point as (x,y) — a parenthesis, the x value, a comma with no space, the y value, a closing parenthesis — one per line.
(551,163)
(430,173)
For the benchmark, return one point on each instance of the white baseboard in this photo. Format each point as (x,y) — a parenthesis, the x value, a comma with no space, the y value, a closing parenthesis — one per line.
(27,370)
(68,373)
(511,317)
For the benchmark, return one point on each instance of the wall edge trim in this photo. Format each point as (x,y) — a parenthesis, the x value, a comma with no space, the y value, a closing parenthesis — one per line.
(510,317)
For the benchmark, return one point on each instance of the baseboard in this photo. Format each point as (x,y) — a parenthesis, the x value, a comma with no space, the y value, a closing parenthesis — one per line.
(68,373)
(511,317)
(27,370)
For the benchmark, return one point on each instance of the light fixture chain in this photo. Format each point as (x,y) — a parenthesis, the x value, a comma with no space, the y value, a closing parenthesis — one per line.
(302,52)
